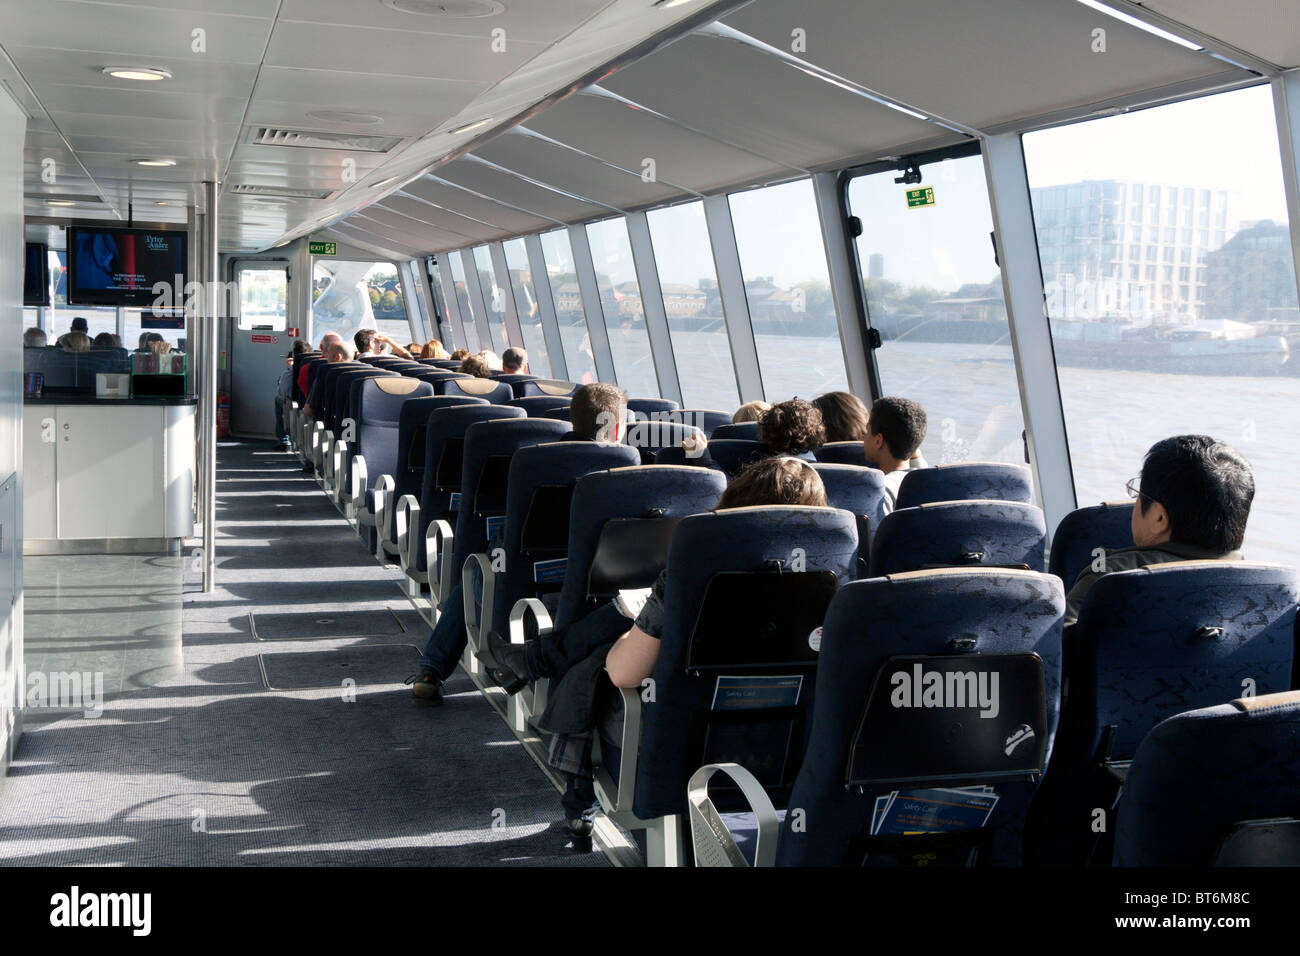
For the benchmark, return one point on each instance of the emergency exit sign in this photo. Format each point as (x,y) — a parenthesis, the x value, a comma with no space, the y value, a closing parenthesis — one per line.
(920,197)
(330,248)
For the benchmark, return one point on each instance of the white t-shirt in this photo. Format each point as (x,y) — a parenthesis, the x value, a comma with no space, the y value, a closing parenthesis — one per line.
(894,480)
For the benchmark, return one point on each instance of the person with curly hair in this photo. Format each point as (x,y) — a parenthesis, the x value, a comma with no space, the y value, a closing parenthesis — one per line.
(793,427)
(895,431)
(474,365)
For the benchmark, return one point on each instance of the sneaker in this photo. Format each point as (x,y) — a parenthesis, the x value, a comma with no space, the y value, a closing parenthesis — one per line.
(632,601)
(426,686)
(579,834)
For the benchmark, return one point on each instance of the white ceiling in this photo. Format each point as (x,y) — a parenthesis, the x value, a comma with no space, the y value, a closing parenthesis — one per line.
(715,109)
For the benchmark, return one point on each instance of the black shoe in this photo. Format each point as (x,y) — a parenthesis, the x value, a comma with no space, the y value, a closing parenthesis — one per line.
(308,468)
(508,666)
(579,834)
(426,686)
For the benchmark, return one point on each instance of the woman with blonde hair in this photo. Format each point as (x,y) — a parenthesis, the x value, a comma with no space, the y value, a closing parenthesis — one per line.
(433,349)
(491,360)
(749,412)
(74,342)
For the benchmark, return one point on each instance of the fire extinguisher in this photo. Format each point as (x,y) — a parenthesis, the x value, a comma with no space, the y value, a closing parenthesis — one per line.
(223,415)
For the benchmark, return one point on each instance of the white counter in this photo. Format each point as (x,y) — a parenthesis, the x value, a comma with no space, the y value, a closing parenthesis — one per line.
(107,475)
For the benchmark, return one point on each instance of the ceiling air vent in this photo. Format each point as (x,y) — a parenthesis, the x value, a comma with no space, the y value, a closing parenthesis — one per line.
(316,139)
(289,192)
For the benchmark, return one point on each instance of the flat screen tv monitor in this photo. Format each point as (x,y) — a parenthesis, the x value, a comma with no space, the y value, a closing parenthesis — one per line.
(121,266)
(36,277)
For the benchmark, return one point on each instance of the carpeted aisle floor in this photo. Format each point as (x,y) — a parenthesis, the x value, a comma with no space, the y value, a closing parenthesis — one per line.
(335,766)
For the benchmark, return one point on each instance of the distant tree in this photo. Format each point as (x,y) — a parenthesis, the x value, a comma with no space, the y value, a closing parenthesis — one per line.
(374,297)
(389,302)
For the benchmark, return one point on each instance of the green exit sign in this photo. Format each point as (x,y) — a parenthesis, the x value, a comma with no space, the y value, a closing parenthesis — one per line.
(330,248)
(920,197)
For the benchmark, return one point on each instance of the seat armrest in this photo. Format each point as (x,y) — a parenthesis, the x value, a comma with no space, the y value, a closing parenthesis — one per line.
(406,515)
(439,539)
(714,845)
(613,795)
(478,608)
(523,607)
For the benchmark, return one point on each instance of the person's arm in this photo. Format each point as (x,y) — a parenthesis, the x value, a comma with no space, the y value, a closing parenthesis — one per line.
(632,658)
(393,346)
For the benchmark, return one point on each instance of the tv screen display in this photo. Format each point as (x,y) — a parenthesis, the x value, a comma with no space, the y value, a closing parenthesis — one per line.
(161,320)
(36,277)
(121,266)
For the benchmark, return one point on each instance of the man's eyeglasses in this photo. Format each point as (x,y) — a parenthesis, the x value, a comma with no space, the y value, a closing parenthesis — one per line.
(1134,491)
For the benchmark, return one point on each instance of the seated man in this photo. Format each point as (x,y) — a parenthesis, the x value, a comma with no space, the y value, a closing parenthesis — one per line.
(1191,502)
(895,430)
(34,338)
(334,352)
(514,361)
(598,413)
(369,340)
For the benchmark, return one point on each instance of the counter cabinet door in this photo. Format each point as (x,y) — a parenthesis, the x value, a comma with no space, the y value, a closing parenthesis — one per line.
(110,466)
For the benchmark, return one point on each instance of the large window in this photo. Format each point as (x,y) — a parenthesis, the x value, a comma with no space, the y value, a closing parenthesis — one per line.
(934,292)
(689,285)
(348,296)
(530,319)
(620,302)
(567,296)
(493,300)
(1142,359)
(59,315)
(788,289)
(463,301)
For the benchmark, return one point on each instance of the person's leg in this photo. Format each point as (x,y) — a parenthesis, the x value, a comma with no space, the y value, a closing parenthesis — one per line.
(556,653)
(280,432)
(447,642)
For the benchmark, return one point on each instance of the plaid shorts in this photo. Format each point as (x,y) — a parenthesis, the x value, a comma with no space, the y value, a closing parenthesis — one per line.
(571,753)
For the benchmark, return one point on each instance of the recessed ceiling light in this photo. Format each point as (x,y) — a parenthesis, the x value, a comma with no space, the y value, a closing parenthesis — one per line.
(471,126)
(59,202)
(452,9)
(161,202)
(154,162)
(146,74)
(386,182)
(666,4)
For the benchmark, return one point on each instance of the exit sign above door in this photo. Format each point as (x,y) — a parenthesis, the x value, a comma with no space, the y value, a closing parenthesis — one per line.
(323,248)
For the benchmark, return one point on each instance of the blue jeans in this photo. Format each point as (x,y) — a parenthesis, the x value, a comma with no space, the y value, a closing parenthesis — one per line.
(447,642)
(280,431)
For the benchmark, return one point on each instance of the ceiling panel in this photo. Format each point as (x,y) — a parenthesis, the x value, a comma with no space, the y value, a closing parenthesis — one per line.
(627,135)
(133,32)
(755,101)
(573,172)
(458,200)
(1269,29)
(330,89)
(516,191)
(190,74)
(981,64)
(419,215)
(394,53)
(523,21)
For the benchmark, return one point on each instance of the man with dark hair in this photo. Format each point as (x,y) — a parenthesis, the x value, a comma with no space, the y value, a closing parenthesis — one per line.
(368,340)
(79,325)
(895,430)
(598,412)
(1190,502)
(514,361)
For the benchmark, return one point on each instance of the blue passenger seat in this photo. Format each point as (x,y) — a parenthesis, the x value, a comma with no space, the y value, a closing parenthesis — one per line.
(960,534)
(991,480)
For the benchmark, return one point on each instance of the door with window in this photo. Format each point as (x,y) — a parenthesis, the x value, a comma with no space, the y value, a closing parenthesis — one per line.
(259,343)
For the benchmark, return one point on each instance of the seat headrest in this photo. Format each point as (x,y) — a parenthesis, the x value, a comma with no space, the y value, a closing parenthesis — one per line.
(480,386)
(1267,702)
(396,384)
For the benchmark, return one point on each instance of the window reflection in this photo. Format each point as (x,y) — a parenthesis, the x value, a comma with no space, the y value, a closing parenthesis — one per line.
(620,302)
(567,297)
